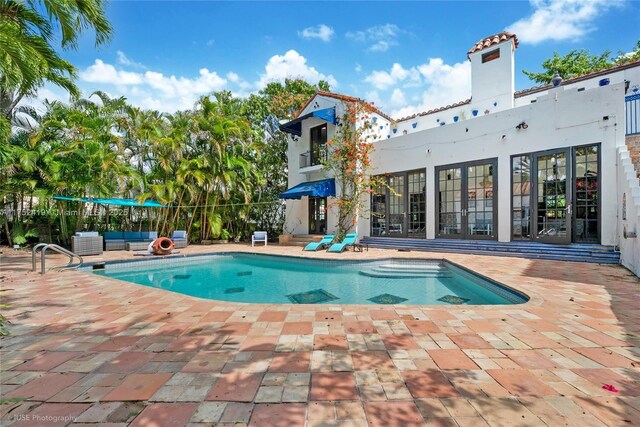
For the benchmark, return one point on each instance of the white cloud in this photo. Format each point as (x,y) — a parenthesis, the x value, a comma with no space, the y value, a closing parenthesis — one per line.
(206,82)
(443,85)
(358,68)
(291,65)
(397,98)
(384,79)
(560,19)
(210,42)
(124,60)
(321,32)
(433,84)
(153,89)
(380,37)
(100,72)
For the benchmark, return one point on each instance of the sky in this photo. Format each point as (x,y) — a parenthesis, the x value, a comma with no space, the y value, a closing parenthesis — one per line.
(405,56)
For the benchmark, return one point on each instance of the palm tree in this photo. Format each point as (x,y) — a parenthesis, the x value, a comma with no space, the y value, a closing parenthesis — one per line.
(28,58)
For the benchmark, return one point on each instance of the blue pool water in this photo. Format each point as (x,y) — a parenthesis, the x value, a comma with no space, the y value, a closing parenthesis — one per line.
(250,278)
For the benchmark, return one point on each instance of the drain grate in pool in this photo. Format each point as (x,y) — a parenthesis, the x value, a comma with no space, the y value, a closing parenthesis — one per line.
(387,299)
(233,290)
(312,297)
(181,276)
(452,299)
(245,273)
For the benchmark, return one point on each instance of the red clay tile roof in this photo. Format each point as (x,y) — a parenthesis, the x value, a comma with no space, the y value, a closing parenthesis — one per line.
(576,79)
(345,98)
(435,110)
(492,40)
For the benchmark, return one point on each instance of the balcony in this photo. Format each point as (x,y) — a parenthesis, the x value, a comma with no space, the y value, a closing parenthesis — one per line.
(313,160)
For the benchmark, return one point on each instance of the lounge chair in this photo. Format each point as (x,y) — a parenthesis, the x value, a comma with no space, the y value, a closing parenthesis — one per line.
(179,238)
(315,246)
(349,240)
(259,236)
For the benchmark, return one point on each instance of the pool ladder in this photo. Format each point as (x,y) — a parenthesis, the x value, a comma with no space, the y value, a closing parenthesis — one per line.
(54,248)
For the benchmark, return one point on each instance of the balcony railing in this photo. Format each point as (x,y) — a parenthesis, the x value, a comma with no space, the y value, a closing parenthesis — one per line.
(632,114)
(317,157)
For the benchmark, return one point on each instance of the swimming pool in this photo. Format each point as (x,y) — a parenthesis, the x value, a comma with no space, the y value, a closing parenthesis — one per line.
(267,279)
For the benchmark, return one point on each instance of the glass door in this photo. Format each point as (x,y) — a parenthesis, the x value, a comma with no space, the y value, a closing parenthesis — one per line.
(552,196)
(465,200)
(586,219)
(450,202)
(479,212)
(417,198)
(397,210)
(317,215)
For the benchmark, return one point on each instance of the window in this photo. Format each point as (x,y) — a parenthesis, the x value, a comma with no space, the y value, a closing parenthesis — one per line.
(318,144)
(490,56)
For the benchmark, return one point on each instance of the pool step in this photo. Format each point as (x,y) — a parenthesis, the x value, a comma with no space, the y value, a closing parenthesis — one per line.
(407,271)
(415,268)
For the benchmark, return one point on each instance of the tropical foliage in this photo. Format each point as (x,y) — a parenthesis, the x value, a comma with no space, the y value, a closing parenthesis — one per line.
(29,30)
(579,62)
(218,168)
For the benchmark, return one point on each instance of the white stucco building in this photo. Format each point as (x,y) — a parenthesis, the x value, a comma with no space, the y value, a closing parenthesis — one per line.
(548,164)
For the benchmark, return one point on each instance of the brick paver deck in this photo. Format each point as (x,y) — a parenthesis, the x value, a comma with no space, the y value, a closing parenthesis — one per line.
(86,350)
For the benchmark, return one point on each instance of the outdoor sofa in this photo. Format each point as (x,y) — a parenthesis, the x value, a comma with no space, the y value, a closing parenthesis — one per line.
(129,240)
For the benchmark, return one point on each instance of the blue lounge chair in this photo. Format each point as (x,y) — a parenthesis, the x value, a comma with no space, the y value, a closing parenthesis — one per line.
(349,240)
(315,246)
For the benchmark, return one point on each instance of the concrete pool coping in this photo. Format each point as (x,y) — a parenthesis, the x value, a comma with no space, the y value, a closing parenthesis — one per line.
(97,350)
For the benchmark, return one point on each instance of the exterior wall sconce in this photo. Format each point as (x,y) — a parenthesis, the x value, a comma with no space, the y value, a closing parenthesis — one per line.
(522,125)
(295,138)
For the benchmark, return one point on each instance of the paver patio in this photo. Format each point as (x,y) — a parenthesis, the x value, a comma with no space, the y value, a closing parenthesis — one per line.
(86,350)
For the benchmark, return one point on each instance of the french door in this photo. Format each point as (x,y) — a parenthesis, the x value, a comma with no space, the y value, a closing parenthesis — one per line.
(466,195)
(552,196)
(317,215)
(400,209)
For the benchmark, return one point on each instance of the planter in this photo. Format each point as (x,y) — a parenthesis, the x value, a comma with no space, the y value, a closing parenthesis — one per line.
(219,242)
(413,125)
(474,112)
(206,242)
(395,130)
(455,118)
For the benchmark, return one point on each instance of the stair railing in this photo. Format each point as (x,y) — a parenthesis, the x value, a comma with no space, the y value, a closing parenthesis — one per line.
(55,248)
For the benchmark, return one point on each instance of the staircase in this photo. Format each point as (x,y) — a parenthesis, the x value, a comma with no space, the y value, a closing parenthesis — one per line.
(633,145)
(591,253)
(297,239)
(393,270)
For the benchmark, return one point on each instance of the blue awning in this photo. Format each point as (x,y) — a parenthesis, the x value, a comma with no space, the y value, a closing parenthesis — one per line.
(323,188)
(294,127)
(117,202)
